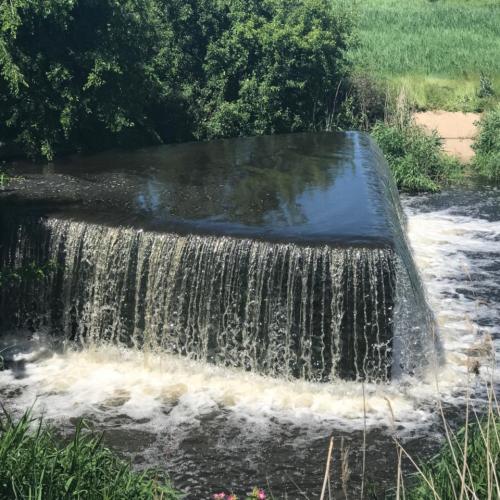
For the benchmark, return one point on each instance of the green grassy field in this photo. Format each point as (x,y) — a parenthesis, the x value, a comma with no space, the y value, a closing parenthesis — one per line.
(436,49)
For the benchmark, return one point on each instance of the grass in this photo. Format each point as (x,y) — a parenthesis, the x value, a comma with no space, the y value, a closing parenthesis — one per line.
(436,49)
(417,159)
(34,465)
(467,466)
(4,178)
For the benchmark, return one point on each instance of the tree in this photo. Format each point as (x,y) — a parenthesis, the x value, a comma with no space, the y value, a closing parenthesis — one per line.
(88,74)
(81,73)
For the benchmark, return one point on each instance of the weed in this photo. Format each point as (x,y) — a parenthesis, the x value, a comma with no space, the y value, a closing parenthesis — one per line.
(416,159)
(34,465)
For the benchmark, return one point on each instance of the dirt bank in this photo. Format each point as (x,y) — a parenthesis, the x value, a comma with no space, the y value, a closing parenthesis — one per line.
(457,130)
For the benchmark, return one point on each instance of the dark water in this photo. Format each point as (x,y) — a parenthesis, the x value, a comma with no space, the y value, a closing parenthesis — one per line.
(351,309)
(309,188)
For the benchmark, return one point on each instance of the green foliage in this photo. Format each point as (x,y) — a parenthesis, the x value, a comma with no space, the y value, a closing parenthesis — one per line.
(437,50)
(27,273)
(4,177)
(485,87)
(274,67)
(444,471)
(487,146)
(34,465)
(416,159)
(80,72)
(88,74)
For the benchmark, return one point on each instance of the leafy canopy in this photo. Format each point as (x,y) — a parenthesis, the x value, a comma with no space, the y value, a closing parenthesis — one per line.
(89,74)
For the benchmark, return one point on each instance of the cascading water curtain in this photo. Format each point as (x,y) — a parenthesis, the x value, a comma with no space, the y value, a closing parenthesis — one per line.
(316,313)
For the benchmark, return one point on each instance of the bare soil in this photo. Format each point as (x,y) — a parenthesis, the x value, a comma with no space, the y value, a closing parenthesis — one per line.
(456,129)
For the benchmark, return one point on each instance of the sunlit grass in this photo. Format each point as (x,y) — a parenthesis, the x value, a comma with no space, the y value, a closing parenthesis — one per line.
(437,49)
(467,466)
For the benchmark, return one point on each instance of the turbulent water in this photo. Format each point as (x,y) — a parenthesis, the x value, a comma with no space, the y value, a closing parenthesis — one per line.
(214,426)
(316,313)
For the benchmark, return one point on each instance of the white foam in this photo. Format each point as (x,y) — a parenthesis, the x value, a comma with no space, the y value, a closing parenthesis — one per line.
(162,387)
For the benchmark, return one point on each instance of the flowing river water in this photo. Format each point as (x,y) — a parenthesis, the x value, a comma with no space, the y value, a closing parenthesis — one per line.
(214,428)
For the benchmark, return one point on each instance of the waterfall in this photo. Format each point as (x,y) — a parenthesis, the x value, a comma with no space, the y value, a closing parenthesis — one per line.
(316,313)
(289,259)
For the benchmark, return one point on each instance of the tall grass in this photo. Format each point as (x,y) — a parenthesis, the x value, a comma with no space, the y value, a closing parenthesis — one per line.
(436,48)
(417,159)
(4,178)
(468,465)
(34,465)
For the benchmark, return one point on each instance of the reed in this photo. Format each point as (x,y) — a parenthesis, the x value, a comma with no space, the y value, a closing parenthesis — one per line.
(465,468)
(438,49)
(34,465)
(468,465)
(417,160)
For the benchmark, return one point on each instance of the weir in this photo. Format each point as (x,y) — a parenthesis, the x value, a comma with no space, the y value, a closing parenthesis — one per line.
(283,255)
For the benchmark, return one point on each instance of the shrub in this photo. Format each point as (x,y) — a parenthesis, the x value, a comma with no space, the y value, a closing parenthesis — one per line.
(95,73)
(77,73)
(272,66)
(487,146)
(34,465)
(416,158)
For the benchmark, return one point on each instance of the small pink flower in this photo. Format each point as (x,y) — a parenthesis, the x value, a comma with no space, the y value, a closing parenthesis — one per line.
(258,494)
(219,496)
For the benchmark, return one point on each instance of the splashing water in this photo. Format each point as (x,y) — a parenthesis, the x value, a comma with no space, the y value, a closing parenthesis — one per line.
(71,383)
(316,313)
(190,415)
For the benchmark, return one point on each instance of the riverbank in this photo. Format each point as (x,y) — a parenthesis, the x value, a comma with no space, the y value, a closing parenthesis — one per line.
(456,129)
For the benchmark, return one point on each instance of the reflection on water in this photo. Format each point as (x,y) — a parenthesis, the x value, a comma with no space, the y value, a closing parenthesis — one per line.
(317,188)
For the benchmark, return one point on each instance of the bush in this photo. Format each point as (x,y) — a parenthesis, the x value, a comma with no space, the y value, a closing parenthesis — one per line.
(274,66)
(89,74)
(34,465)
(487,146)
(81,73)
(416,158)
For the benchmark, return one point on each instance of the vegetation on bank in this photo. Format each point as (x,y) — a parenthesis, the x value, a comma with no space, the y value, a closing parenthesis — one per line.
(444,52)
(487,146)
(416,158)
(33,464)
(88,75)
(81,76)
(4,178)
(468,465)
